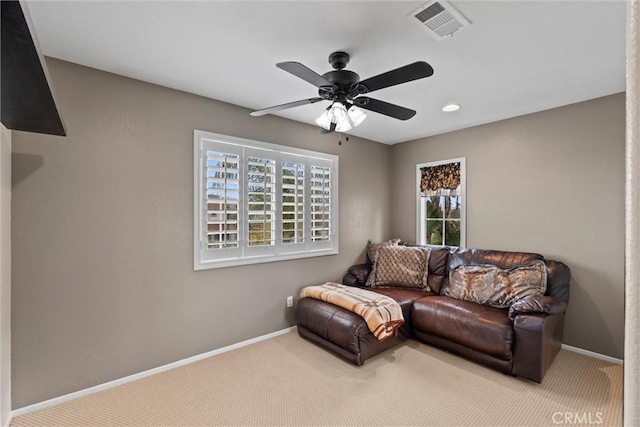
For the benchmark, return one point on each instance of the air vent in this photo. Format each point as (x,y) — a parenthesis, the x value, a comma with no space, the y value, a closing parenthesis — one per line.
(439,18)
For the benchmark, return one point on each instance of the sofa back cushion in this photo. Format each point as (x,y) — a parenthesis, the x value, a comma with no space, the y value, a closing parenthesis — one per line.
(441,259)
(438,262)
(501,259)
(497,287)
(374,247)
(400,267)
(558,278)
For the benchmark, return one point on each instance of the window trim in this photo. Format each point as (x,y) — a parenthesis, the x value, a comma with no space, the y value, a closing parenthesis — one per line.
(313,249)
(420,221)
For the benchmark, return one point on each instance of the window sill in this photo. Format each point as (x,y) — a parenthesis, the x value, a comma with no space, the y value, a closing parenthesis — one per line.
(234,262)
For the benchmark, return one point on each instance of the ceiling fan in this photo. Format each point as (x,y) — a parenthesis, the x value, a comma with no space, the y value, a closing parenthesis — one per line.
(345,90)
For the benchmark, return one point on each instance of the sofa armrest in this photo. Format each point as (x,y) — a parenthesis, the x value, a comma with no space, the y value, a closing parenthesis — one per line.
(357,275)
(536,342)
(537,305)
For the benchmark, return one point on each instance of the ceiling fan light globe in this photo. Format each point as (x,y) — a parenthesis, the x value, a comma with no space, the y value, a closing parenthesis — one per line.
(323,121)
(337,113)
(343,126)
(356,115)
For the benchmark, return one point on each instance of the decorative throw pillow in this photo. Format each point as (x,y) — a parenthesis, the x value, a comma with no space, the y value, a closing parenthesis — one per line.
(495,287)
(373,248)
(400,267)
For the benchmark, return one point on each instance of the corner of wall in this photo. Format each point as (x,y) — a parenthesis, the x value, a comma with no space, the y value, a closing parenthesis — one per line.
(631,392)
(5,276)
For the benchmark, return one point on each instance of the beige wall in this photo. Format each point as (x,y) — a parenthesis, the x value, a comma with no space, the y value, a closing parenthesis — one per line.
(5,275)
(552,183)
(103,275)
(103,284)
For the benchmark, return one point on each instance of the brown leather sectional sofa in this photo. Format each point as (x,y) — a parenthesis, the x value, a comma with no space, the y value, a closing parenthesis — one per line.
(522,340)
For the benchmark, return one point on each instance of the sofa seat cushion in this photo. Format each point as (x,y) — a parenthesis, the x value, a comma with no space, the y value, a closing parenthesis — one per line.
(482,328)
(405,298)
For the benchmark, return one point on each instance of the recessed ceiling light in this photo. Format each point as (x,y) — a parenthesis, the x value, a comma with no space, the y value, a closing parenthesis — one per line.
(451,107)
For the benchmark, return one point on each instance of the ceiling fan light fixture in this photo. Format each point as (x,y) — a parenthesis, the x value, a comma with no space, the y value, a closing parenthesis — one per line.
(324,121)
(342,117)
(356,115)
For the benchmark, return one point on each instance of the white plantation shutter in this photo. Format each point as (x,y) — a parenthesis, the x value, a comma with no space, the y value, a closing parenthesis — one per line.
(259,202)
(218,202)
(293,202)
(323,204)
(320,203)
(223,197)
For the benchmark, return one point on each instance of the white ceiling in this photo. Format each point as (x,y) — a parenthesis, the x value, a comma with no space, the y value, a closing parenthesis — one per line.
(517,57)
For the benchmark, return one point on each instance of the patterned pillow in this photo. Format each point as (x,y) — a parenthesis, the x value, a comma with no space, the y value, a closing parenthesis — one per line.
(400,267)
(495,287)
(373,248)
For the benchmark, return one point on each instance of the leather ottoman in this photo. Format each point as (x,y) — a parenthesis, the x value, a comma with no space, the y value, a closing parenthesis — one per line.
(346,334)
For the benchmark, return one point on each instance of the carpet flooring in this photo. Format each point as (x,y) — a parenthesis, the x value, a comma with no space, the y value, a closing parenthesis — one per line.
(287,381)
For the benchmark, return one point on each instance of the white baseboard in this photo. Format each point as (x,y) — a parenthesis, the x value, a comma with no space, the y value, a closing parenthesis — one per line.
(592,354)
(114,383)
(7,423)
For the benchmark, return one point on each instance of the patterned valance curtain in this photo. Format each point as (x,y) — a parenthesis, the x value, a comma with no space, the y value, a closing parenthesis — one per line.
(440,180)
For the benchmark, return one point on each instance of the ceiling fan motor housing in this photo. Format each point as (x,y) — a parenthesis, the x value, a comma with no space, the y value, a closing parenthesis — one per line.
(342,78)
(339,60)
(343,83)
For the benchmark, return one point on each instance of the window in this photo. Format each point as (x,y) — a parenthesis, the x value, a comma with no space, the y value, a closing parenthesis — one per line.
(259,202)
(441,203)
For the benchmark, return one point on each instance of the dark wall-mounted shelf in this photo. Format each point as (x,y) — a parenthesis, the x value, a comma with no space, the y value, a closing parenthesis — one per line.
(28,103)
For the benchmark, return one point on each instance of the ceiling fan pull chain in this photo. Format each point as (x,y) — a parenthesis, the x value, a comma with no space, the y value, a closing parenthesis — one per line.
(340,138)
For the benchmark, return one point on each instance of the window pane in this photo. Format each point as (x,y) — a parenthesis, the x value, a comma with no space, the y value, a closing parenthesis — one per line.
(452,207)
(452,233)
(221,188)
(320,203)
(434,232)
(260,196)
(435,206)
(439,232)
(292,202)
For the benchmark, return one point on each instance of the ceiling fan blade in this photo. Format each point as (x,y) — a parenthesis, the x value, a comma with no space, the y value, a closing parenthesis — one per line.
(415,71)
(305,73)
(281,107)
(381,107)
(332,127)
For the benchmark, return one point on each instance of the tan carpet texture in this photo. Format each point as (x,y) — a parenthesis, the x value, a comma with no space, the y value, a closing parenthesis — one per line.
(287,381)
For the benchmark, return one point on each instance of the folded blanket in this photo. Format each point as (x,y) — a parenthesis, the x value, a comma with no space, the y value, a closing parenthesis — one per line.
(382,314)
